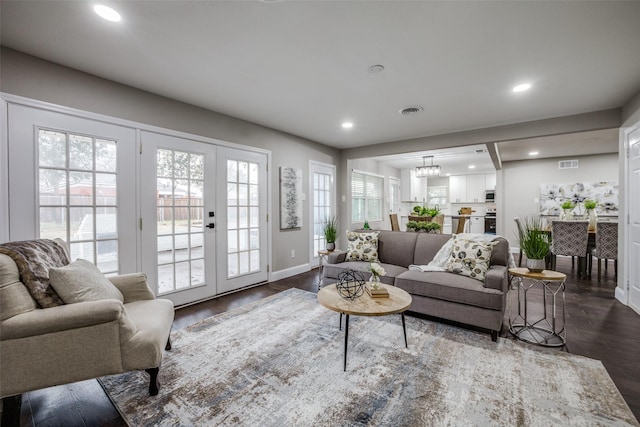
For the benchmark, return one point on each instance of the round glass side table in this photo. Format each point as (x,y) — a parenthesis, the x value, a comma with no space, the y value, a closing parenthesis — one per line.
(540,317)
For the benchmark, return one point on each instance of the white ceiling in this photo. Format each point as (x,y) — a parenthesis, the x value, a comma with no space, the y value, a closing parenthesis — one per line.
(301,66)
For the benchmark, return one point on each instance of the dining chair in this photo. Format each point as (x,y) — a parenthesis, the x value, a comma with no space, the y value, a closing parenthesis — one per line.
(606,245)
(520,228)
(395,226)
(570,238)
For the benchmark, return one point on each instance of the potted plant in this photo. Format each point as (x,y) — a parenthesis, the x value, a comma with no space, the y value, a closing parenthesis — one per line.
(330,230)
(590,213)
(423,226)
(535,242)
(567,208)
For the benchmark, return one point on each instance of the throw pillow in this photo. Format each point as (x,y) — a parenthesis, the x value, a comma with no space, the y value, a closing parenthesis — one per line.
(470,258)
(82,281)
(362,246)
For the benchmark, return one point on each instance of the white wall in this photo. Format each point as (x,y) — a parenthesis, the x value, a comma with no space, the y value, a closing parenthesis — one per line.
(34,78)
(520,184)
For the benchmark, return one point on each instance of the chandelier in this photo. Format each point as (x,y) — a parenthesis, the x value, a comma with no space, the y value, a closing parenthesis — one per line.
(427,170)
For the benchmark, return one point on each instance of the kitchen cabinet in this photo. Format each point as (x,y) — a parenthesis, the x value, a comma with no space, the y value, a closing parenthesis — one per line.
(458,189)
(412,189)
(489,181)
(467,188)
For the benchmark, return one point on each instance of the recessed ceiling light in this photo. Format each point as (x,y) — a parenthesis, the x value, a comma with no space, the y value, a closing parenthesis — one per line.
(533,153)
(105,12)
(522,87)
(448,174)
(347,125)
(472,166)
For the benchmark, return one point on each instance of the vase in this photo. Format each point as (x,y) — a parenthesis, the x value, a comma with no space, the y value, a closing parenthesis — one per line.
(331,246)
(566,215)
(536,265)
(374,281)
(592,216)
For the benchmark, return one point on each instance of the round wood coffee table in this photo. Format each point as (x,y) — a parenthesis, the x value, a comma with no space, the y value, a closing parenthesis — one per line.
(397,302)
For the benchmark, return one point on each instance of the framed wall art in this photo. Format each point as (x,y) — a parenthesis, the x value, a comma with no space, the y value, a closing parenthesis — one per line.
(290,195)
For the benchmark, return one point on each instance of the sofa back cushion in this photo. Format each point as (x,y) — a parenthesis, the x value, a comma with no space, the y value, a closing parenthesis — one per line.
(396,247)
(427,246)
(14,296)
(500,252)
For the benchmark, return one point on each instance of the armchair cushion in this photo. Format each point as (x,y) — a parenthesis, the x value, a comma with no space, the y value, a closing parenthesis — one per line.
(82,281)
(133,286)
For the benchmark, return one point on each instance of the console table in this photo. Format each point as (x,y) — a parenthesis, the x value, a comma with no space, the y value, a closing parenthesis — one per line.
(540,319)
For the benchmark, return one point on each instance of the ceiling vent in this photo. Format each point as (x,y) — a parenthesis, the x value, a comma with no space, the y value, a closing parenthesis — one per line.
(408,111)
(568,164)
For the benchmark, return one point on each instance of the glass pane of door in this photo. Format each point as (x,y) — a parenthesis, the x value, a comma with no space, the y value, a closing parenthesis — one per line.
(321,208)
(179,219)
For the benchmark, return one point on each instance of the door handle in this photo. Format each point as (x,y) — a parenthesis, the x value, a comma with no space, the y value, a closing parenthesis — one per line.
(212,225)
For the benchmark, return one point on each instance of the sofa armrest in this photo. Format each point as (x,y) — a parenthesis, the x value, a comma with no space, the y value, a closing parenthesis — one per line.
(61,318)
(497,278)
(134,287)
(336,257)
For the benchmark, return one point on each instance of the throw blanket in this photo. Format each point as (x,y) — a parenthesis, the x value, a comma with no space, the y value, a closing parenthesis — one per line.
(34,258)
(442,256)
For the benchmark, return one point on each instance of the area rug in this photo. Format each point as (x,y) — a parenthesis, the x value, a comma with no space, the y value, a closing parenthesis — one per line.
(279,362)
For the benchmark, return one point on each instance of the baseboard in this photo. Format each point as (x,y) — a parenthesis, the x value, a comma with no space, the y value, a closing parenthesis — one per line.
(621,295)
(288,272)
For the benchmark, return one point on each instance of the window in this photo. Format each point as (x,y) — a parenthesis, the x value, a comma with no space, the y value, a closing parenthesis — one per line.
(321,208)
(394,192)
(366,197)
(437,196)
(78,195)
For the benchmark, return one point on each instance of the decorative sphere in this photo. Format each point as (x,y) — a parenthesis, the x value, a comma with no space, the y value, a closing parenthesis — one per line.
(350,284)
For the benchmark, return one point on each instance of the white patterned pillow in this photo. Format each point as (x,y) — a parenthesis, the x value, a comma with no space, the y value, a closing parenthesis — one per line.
(470,258)
(362,246)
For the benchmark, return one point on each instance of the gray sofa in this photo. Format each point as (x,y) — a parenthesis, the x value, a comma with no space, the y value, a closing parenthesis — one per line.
(440,294)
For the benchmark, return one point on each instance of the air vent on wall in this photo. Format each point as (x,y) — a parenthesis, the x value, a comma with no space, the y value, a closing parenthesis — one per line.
(568,164)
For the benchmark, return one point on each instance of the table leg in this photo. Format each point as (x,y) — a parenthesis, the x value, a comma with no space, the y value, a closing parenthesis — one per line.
(346,340)
(404,329)
(340,327)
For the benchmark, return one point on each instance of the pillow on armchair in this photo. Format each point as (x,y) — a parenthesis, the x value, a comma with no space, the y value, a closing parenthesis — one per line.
(82,281)
(470,258)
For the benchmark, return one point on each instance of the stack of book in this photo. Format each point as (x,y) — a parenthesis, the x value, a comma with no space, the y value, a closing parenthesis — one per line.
(381,292)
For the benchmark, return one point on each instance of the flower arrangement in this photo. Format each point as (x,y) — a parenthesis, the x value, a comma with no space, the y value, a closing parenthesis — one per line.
(590,204)
(376,271)
(568,205)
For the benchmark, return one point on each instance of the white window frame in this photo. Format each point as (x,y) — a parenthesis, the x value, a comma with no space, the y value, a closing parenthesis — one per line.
(366,197)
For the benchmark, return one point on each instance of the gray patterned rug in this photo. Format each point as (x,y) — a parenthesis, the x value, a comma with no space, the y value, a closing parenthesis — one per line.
(278,362)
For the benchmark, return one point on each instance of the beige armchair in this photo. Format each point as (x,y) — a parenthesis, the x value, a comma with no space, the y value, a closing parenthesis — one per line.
(43,347)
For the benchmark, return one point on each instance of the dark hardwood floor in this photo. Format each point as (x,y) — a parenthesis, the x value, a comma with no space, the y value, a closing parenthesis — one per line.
(598,326)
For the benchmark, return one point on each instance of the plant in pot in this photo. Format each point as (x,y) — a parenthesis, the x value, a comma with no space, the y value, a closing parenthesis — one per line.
(330,229)
(423,226)
(590,213)
(535,242)
(567,208)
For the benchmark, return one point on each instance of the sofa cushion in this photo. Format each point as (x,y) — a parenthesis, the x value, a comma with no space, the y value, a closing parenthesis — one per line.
(470,258)
(14,296)
(332,271)
(450,287)
(427,246)
(82,281)
(396,247)
(362,246)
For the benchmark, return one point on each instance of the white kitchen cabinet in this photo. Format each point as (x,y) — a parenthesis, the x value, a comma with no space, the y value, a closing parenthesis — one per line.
(467,188)
(412,189)
(458,189)
(489,181)
(477,224)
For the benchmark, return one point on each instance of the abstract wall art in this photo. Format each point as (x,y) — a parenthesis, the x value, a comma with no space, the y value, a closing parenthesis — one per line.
(290,194)
(605,194)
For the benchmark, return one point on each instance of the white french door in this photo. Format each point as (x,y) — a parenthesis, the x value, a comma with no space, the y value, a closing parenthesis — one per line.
(177,210)
(73,178)
(322,188)
(634,220)
(242,219)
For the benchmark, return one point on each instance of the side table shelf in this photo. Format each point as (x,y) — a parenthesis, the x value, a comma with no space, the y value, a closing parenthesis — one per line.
(540,317)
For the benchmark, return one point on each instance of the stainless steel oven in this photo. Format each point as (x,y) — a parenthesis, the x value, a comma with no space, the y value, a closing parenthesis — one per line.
(490,221)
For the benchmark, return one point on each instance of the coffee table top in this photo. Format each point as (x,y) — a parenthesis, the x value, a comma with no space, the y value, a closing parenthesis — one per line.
(397,302)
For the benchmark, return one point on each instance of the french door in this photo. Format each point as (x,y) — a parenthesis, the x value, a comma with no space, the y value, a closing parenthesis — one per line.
(322,187)
(634,219)
(73,178)
(178,216)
